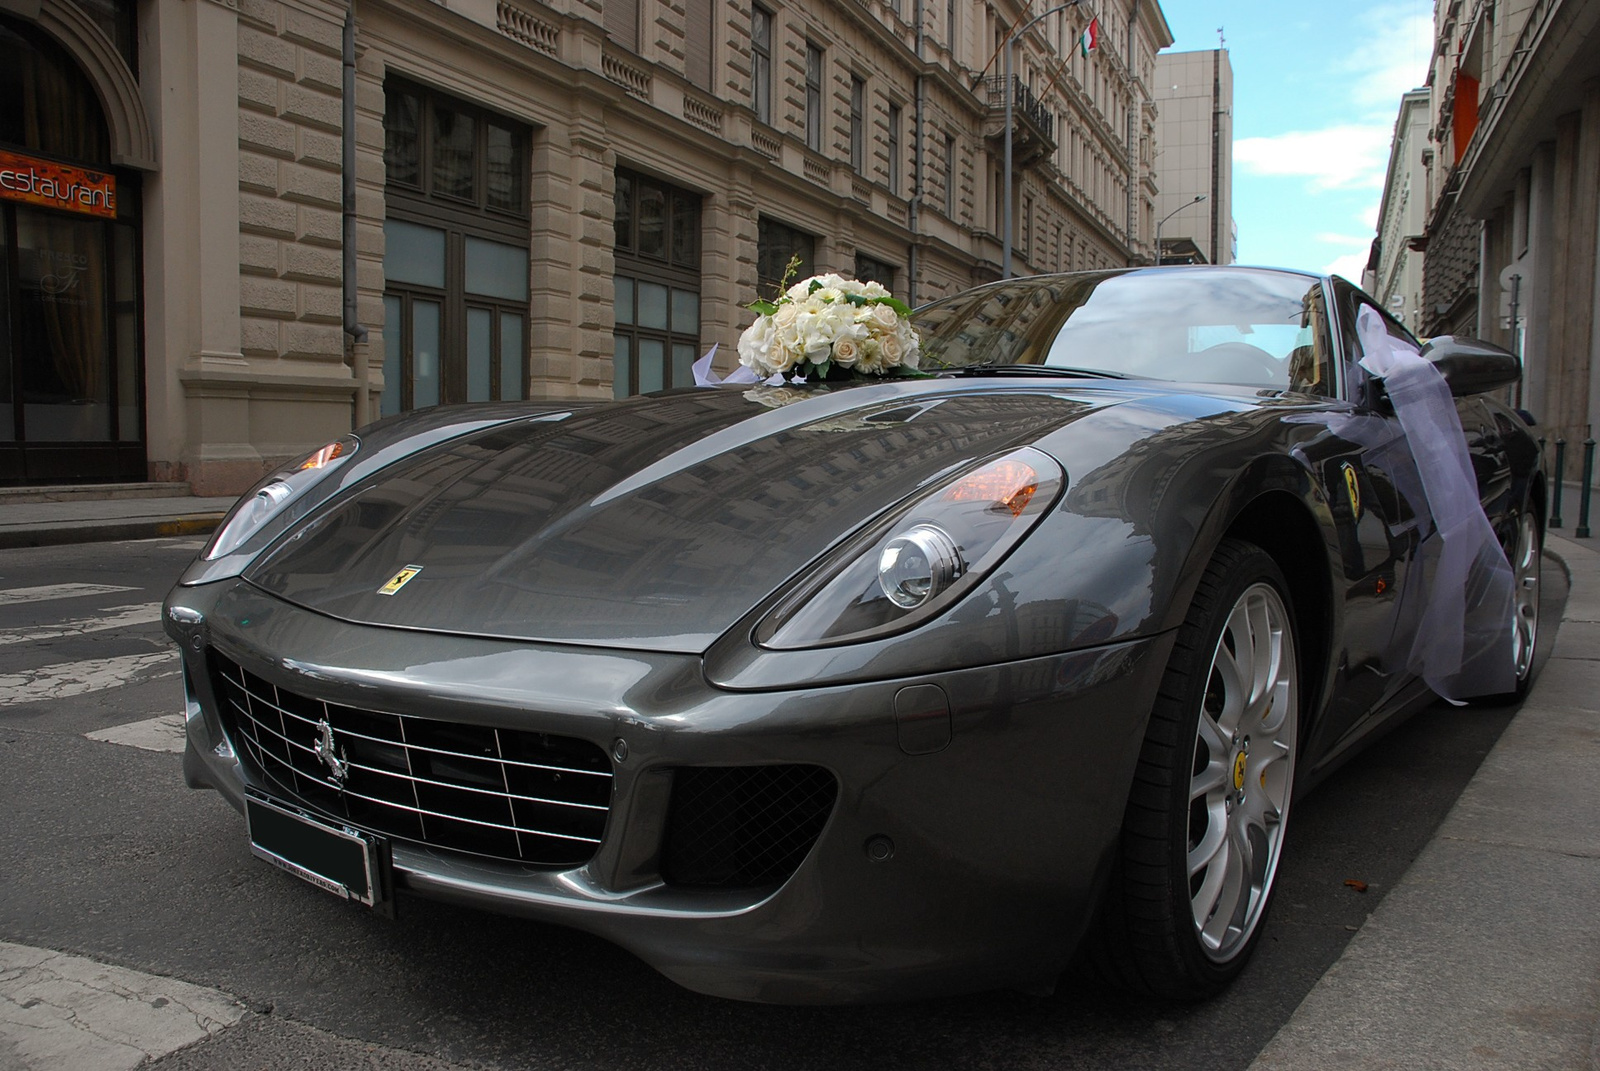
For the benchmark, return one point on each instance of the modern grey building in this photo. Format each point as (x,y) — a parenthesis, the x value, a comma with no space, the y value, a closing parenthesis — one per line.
(1194,140)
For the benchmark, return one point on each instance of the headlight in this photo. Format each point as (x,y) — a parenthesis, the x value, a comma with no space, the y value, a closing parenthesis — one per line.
(268,498)
(920,559)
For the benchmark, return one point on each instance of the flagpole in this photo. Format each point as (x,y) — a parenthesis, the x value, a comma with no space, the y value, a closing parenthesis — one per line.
(1011,91)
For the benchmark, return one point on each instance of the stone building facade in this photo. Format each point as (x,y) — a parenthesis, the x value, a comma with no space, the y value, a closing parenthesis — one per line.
(1514,199)
(550,200)
(1394,271)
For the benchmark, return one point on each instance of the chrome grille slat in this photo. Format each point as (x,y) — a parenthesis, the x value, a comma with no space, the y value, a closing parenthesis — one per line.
(347,734)
(517,799)
(454,818)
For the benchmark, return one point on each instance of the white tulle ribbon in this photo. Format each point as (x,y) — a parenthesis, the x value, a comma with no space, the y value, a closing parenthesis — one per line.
(1463,644)
(705,377)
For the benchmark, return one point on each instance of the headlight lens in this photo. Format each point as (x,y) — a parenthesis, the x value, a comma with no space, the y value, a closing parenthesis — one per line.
(918,565)
(268,498)
(918,560)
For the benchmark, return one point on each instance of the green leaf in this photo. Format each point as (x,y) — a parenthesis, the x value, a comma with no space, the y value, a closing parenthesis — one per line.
(762,308)
(896,304)
(858,300)
(816,284)
(822,368)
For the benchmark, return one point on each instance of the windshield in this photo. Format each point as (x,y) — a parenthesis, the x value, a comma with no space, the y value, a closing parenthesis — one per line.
(1249,326)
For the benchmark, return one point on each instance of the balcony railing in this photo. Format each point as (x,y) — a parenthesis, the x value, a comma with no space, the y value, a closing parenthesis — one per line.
(1033,126)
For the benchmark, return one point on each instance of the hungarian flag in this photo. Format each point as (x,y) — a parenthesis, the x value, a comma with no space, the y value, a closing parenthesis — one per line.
(1091,36)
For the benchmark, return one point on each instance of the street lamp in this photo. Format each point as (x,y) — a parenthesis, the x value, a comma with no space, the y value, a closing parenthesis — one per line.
(1187,204)
(1010,91)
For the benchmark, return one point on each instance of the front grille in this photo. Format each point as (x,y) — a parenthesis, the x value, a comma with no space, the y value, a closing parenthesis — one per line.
(744,826)
(521,796)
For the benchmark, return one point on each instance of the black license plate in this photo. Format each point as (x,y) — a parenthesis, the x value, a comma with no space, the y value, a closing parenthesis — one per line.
(350,864)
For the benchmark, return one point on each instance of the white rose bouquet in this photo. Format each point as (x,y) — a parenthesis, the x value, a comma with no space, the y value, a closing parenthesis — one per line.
(830,327)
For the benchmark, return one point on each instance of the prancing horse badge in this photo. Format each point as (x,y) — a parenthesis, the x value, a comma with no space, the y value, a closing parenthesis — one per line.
(400,580)
(1352,487)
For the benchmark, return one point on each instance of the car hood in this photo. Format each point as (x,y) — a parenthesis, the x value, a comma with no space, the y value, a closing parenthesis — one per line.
(656,522)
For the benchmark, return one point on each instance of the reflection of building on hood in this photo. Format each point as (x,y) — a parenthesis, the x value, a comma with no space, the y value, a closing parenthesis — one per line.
(1133,485)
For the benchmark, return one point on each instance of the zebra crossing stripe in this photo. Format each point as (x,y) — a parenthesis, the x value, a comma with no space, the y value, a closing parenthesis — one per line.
(113,617)
(68,679)
(14,596)
(61,1011)
(165,733)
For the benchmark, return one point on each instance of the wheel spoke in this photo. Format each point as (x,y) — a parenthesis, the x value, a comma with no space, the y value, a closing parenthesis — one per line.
(1242,771)
(1215,840)
(1235,866)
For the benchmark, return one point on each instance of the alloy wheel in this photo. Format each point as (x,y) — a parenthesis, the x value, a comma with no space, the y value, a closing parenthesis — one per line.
(1243,771)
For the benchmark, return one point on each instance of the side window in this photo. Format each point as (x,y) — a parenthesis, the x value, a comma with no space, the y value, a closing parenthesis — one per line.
(1351,302)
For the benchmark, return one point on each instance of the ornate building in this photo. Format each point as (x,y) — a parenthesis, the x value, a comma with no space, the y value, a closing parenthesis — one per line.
(1514,204)
(1394,270)
(514,199)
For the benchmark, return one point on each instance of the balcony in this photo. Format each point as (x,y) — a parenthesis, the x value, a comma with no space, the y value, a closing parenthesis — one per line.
(1033,126)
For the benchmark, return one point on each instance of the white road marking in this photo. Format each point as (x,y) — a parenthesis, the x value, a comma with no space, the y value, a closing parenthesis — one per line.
(61,1011)
(153,734)
(13,596)
(114,617)
(68,679)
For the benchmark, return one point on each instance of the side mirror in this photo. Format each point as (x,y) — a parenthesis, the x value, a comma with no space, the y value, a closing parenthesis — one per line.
(1472,366)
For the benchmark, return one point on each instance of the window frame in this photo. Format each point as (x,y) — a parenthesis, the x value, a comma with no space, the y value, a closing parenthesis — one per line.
(761,63)
(420,203)
(816,62)
(676,268)
(858,124)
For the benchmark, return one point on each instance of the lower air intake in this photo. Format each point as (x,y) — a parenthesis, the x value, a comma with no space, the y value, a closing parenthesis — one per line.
(744,826)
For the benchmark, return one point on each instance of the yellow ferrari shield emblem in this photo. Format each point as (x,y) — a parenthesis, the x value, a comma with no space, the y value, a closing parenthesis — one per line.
(1352,487)
(1238,770)
(400,580)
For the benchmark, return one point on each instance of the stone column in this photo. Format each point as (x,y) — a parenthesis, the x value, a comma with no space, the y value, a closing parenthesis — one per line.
(191,234)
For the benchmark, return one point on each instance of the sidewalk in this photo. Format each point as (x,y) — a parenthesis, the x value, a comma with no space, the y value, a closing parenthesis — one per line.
(92,518)
(1486,955)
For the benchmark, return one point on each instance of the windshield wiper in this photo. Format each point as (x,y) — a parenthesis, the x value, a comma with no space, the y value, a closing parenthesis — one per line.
(1052,371)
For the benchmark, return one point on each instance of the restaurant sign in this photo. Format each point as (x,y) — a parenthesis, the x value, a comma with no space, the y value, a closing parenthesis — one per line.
(43,182)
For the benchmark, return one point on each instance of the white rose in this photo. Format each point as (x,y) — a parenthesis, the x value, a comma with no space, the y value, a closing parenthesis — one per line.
(881,316)
(846,351)
(756,346)
(890,349)
(911,345)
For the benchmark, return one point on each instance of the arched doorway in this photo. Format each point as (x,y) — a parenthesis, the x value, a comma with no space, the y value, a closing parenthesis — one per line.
(71,363)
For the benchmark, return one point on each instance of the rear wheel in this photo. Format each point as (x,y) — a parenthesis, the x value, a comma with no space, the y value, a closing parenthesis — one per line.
(1525,554)
(1209,805)
(1525,571)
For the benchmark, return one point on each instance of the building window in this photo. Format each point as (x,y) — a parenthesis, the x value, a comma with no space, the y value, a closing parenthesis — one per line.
(858,125)
(776,245)
(950,176)
(700,20)
(455,252)
(657,302)
(872,270)
(622,22)
(950,25)
(761,63)
(813,97)
(894,149)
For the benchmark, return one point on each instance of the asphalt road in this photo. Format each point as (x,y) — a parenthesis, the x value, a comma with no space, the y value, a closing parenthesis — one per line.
(105,854)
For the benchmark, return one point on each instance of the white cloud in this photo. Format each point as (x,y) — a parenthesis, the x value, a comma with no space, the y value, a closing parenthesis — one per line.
(1350,265)
(1392,56)
(1347,156)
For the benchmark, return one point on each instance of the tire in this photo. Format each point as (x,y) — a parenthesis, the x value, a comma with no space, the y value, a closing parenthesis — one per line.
(1203,831)
(1527,556)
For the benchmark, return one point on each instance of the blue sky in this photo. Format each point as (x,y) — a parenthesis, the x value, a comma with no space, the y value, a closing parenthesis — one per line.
(1316,87)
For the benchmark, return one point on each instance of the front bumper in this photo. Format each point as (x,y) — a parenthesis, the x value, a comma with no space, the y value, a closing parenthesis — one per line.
(969,867)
